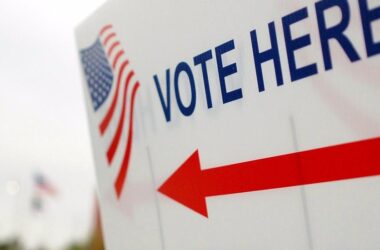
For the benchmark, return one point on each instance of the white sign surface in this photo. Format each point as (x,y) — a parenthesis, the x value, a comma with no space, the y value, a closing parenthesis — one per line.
(235,125)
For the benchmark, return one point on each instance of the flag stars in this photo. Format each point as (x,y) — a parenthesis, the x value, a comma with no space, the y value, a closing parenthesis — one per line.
(98,73)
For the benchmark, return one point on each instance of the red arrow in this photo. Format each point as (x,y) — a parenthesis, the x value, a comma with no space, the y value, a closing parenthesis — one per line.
(189,185)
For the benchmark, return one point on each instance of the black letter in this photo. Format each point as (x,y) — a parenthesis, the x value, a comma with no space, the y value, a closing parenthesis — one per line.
(270,54)
(295,44)
(334,32)
(184,67)
(202,59)
(226,71)
(165,108)
(369,16)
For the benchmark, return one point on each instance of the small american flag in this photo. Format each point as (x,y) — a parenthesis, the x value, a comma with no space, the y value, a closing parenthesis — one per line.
(43,185)
(109,81)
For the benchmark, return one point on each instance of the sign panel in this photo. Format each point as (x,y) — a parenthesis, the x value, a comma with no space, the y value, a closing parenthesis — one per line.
(225,125)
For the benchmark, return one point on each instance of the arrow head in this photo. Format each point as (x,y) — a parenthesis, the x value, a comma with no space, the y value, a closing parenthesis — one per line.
(184,185)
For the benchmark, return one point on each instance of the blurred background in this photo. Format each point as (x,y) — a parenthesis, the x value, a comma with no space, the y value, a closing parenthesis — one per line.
(47,180)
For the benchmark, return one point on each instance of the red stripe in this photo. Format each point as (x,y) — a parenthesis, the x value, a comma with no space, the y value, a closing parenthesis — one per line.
(116,139)
(119,183)
(112,48)
(104,29)
(47,189)
(105,122)
(116,59)
(108,38)
(333,163)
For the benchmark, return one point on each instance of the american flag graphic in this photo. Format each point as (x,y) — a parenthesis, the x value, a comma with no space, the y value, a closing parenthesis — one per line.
(109,79)
(43,185)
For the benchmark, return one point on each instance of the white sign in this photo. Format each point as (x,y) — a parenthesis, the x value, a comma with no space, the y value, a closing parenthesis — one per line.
(235,125)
